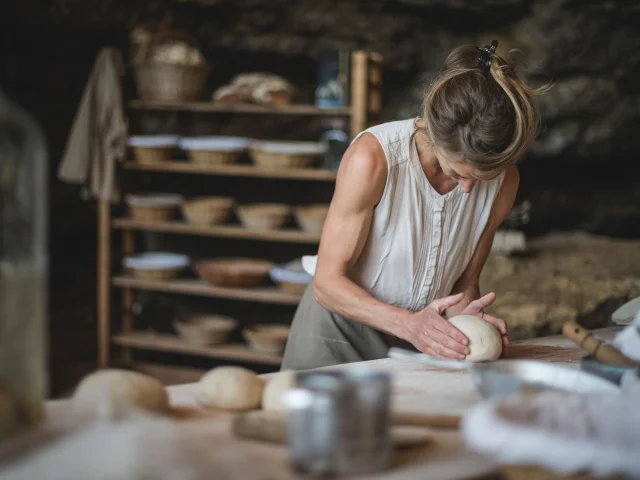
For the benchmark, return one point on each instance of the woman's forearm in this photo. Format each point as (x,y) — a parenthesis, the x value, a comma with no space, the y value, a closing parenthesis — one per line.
(340,295)
(471,293)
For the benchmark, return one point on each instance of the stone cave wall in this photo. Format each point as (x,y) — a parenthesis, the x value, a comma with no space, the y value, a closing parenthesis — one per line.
(581,174)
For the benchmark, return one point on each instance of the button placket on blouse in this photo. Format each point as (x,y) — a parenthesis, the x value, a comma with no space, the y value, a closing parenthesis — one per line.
(436,240)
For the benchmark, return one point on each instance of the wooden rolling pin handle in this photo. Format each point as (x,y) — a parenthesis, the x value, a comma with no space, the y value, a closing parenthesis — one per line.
(601,350)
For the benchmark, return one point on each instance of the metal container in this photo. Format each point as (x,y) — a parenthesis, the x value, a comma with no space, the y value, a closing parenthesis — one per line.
(339,422)
(316,409)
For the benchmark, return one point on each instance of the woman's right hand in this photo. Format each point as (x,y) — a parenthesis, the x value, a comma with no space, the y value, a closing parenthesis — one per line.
(432,334)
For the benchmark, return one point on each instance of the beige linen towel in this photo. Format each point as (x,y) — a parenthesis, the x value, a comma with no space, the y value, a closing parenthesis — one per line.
(98,137)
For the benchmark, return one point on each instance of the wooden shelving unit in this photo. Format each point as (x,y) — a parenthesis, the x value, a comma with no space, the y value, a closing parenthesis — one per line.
(236,171)
(200,288)
(225,231)
(169,343)
(362,112)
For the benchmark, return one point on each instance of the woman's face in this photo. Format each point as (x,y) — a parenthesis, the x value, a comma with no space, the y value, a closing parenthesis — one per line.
(457,169)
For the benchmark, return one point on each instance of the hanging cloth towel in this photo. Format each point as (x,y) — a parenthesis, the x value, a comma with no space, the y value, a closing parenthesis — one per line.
(98,137)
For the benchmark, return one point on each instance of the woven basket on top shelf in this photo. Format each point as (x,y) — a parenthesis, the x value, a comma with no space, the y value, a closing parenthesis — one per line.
(170,67)
(207,210)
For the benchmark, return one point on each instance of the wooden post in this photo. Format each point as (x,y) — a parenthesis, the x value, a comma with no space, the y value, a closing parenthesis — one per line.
(359,88)
(375,89)
(128,248)
(103,281)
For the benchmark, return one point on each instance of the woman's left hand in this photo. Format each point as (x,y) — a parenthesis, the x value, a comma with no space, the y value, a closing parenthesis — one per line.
(477,307)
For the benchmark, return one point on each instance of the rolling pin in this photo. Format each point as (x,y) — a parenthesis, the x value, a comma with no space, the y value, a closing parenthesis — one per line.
(601,350)
(269,426)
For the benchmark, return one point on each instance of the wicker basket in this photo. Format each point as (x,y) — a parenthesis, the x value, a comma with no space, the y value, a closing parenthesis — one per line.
(234,272)
(157,81)
(156,275)
(268,154)
(282,160)
(156,267)
(153,208)
(205,157)
(263,216)
(311,217)
(206,329)
(267,338)
(208,210)
(151,156)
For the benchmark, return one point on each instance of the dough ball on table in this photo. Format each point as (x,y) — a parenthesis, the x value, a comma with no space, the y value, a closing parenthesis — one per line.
(113,393)
(277,386)
(485,340)
(231,388)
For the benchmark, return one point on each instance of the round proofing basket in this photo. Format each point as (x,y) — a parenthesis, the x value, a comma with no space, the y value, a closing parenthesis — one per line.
(263,216)
(282,160)
(157,274)
(152,214)
(208,157)
(207,210)
(151,155)
(206,329)
(311,218)
(158,81)
(234,272)
(270,339)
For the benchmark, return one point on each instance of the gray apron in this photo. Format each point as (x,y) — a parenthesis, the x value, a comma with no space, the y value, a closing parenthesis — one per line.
(320,338)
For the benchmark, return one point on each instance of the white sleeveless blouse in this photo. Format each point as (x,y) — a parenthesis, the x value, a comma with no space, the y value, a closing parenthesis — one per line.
(420,241)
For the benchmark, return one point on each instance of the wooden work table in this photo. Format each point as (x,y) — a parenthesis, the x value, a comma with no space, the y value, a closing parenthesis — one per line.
(416,389)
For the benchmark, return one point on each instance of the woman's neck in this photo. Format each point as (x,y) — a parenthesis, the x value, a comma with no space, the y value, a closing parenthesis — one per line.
(431,167)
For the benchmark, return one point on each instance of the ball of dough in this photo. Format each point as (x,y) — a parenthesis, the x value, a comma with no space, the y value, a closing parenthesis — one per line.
(232,388)
(112,392)
(272,397)
(485,341)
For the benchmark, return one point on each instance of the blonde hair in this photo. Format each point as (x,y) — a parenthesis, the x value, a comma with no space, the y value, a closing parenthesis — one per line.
(490,121)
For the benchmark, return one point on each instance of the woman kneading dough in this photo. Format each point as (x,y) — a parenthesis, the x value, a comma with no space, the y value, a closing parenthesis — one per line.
(413,217)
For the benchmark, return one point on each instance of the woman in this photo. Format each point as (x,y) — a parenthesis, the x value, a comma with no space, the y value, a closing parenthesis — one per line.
(412,220)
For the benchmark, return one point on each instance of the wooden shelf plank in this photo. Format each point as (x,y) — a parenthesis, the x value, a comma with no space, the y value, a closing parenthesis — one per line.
(170,343)
(229,231)
(200,288)
(320,174)
(239,108)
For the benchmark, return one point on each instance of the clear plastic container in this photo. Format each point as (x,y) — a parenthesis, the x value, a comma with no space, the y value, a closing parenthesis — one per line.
(23,270)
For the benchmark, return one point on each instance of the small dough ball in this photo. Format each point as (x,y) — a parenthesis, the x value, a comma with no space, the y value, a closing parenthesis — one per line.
(485,341)
(113,392)
(272,397)
(232,388)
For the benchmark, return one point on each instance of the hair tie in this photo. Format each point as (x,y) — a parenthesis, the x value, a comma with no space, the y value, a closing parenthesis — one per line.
(486,57)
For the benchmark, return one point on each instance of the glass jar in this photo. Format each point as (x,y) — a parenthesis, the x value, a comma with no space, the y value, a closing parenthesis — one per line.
(23,270)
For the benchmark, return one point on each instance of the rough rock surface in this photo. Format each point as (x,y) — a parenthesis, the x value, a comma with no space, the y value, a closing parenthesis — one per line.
(564,277)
